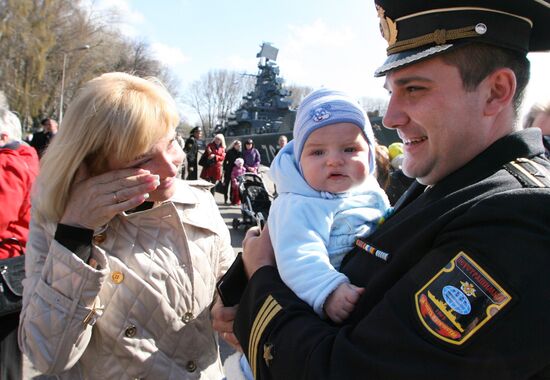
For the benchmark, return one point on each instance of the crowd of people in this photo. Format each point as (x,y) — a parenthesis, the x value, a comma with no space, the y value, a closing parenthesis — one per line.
(425,258)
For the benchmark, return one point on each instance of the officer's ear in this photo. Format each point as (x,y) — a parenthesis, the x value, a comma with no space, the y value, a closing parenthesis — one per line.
(500,88)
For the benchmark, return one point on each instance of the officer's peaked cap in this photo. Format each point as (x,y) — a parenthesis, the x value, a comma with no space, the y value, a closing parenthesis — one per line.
(417,29)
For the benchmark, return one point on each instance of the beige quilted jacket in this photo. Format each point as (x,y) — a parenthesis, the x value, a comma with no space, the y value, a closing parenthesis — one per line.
(151,297)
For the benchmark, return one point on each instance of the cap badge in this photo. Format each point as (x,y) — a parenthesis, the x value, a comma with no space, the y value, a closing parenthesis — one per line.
(320,114)
(388,27)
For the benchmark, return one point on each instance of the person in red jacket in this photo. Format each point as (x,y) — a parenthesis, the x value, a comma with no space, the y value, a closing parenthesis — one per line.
(18,169)
(215,151)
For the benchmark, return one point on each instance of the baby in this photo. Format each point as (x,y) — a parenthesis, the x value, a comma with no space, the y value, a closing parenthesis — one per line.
(328,197)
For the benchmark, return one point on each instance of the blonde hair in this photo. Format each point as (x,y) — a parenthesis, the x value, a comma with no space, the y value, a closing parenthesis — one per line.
(116,116)
(221,138)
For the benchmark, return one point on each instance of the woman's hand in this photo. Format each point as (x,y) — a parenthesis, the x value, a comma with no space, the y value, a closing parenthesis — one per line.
(257,250)
(94,201)
(222,322)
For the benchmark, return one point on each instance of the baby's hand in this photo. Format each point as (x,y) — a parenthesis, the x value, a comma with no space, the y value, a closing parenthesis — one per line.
(341,302)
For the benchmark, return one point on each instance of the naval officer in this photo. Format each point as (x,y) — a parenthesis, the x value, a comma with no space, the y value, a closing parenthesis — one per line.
(456,280)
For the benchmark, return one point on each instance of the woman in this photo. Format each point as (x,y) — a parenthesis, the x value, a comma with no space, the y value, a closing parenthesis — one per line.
(191,149)
(230,156)
(281,142)
(251,157)
(215,151)
(123,256)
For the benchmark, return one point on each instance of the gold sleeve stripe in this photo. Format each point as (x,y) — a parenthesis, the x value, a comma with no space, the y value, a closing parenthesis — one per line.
(264,310)
(269,309)
(266,321)
(261,313)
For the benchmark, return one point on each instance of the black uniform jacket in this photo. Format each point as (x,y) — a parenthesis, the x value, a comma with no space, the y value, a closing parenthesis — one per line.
(457,285)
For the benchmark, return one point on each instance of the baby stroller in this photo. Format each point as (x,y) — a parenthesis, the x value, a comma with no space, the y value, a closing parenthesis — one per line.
(255,201)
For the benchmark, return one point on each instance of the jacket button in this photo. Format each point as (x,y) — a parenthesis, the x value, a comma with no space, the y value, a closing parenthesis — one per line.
(187,317)
(130,331)
(99,238)
(191,366)
(117,277)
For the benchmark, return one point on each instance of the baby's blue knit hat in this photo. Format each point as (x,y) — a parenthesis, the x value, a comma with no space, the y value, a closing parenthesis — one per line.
(326,106)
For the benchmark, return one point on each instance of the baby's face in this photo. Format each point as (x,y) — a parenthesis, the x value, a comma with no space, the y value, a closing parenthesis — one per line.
(335,158)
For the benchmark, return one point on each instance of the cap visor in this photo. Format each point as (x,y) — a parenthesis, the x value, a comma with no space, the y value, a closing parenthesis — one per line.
(407,57)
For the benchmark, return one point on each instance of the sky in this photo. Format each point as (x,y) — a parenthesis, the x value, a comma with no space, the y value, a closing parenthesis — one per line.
(321,43)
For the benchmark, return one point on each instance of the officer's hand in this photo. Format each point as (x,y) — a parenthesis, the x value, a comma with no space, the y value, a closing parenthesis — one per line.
(94,201)
(257,250)
(222,322)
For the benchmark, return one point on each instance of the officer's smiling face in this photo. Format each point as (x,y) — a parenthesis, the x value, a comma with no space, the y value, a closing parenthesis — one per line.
(438,121)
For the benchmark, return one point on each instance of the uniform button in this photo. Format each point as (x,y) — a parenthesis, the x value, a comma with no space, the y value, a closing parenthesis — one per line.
(130,331)
(100,238)
(117,277)
(191,366)
(187,317)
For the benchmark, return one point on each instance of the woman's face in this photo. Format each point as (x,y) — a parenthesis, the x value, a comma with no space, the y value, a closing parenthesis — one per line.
(238,146)
(163,159)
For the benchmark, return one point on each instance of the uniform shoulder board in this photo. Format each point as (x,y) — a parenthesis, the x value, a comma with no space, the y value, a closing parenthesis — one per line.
(528,173)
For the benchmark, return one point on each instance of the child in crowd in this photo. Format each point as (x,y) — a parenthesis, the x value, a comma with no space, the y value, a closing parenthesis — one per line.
(328,197)
(238,170)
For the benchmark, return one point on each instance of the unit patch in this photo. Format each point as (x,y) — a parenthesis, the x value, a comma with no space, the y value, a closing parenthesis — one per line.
(458,300)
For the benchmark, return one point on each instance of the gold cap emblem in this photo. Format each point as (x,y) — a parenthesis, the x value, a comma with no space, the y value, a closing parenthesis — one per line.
(388,27)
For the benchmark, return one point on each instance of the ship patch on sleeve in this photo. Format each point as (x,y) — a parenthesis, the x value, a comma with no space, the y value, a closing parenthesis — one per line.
(461,298)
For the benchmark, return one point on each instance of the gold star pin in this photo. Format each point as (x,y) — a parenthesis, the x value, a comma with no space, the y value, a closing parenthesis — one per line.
(268,347)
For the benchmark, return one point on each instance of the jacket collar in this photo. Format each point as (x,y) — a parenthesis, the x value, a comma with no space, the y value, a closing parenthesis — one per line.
(524,143)
(184,194)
